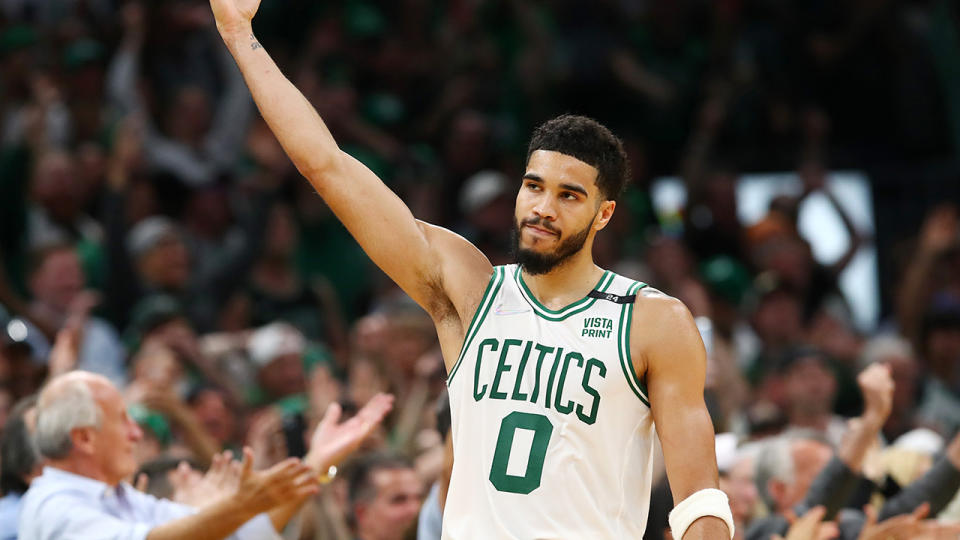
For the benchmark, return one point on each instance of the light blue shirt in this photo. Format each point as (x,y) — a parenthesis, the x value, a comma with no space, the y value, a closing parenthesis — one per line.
(430,520)
(64,506)
(9,514)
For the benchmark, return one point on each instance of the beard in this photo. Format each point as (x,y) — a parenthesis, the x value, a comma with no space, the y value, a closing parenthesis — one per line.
(540,263)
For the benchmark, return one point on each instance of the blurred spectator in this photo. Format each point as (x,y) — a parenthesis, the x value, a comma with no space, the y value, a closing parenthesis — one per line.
(385,497)
(277,352)
(57,284)
(21,463)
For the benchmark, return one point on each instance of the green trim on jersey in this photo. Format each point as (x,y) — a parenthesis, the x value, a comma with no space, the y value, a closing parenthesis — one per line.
(486,301)
(626,320)
(561,314)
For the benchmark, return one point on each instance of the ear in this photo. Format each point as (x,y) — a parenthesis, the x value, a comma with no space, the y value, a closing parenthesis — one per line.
(604,213)
(84,440)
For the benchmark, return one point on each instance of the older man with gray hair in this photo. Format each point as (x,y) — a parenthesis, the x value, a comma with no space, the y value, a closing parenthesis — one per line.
(85,433)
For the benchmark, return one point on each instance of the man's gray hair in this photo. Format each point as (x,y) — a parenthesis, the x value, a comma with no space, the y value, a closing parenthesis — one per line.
(774,462)
(62,408)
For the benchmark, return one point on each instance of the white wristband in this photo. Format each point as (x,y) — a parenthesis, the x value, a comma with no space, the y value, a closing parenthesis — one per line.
(706,502)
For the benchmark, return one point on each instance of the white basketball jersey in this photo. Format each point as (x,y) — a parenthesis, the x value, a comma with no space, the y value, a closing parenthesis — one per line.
(552,431)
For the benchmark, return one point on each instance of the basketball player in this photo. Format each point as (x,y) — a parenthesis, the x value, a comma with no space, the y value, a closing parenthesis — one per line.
(560,373)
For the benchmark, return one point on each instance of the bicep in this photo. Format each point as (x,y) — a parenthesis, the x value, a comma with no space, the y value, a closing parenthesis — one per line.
(675,372)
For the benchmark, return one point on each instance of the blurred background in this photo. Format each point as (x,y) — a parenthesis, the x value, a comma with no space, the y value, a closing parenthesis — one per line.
(795,181)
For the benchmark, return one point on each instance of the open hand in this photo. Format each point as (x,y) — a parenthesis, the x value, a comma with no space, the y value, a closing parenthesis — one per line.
(222,480)
(332,441)
(286,482)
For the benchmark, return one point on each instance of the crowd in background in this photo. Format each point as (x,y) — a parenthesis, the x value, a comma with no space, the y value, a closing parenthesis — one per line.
(153,231)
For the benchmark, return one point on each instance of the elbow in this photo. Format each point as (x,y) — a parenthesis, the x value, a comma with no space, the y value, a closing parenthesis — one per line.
(319,167)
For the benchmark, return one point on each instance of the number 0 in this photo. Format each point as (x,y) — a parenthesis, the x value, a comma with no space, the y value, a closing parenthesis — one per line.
(542,429)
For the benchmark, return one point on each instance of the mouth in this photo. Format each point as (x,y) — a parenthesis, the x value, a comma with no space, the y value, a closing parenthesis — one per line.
(540,231)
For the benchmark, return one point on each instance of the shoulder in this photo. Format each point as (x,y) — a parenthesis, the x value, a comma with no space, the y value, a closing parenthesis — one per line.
(663,330)
(656,310)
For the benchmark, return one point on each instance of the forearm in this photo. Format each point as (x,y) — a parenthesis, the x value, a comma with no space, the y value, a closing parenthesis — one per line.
(937,487)
(282,515)
(831,488)
(861,435)
(214,522)
(296,124)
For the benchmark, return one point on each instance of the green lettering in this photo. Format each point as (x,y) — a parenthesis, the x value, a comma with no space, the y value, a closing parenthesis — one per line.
(478,392)
(602,370)
(521,370)
(544,351)
(568,407)
(502,367)
(553,373)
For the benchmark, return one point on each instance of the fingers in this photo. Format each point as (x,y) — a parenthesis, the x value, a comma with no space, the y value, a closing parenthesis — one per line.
(375,409)
(871,513)
(332,416)
(247,465)
(921,511)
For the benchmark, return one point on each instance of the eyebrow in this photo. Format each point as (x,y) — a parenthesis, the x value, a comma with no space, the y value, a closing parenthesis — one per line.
(568,187)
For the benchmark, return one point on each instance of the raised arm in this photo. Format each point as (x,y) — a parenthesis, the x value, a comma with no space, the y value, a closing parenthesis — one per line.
(407,250)
(669,353)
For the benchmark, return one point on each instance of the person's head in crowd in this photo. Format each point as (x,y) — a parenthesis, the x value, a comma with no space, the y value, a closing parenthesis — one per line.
(385,496)
(410,335)
(83,428)
(160,319)
(282,234)
(777,312)
(18,451)
(189,115)
(670,261)
(20,373)
(54,186)
(84,63)
(831,328)
(208,213)
(277,351)
(17,58)
(211,407)
(365,379)
(786,467)
(155,365)
(486,201)
(811,386)
(737,476)
(727,281)
(940,339)
(159,253)
(776,247)
(467,143)
(55,276)
(897,353)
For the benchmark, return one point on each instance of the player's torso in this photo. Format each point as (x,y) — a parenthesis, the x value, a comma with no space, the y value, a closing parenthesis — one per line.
(551,429)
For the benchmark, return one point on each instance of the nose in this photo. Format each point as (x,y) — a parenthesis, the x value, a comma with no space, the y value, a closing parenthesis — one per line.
(545,209)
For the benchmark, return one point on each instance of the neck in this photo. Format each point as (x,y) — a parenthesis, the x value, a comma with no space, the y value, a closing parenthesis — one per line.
(82,467)
(568,282)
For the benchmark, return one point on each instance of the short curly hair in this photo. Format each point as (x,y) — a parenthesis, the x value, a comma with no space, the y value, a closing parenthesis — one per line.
(590,142)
